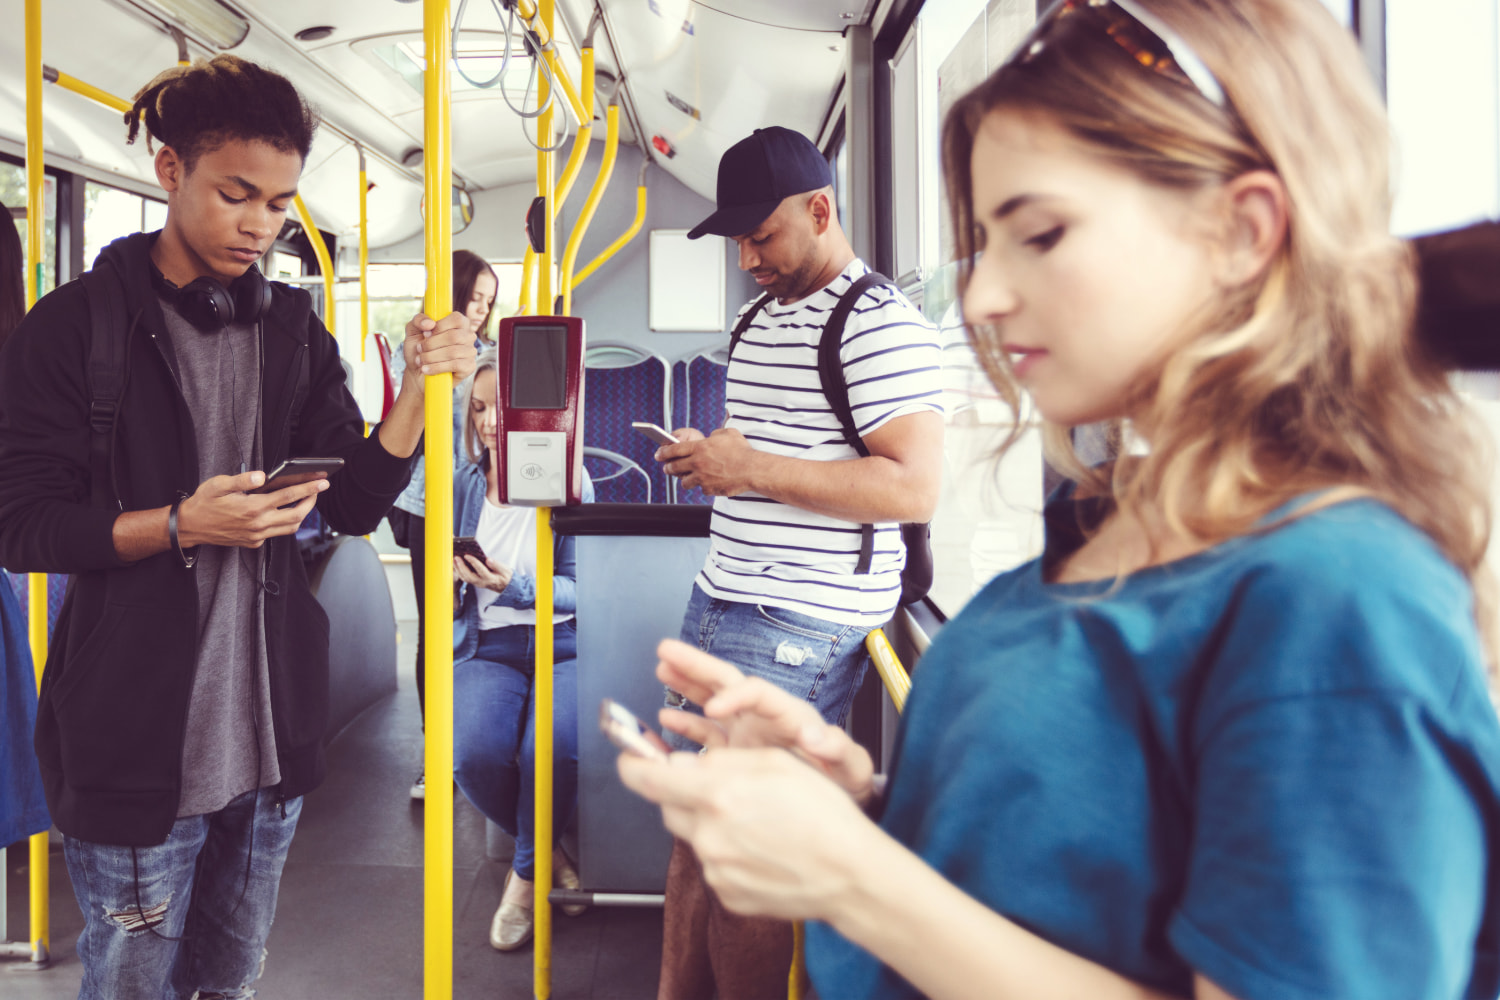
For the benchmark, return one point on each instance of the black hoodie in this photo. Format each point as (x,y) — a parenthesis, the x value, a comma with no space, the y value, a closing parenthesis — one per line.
(119,673)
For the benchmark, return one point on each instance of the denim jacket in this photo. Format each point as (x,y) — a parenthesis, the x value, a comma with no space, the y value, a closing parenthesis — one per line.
(468,504)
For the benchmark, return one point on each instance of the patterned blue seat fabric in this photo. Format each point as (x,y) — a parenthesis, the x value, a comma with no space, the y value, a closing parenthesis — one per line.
(698,385)
(613,398)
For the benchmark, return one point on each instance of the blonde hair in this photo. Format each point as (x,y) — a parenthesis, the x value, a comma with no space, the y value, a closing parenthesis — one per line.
(1310,379)
(476,452)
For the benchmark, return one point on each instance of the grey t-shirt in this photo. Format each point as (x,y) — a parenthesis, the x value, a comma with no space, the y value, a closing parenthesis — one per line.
(230,747)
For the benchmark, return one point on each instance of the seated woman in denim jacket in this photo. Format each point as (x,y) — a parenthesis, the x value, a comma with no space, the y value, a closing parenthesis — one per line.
(494,661)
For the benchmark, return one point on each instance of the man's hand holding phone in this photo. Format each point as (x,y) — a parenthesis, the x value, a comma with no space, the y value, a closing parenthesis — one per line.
(228,510)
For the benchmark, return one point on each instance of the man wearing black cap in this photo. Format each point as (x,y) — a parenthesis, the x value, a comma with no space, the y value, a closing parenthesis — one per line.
(794,580)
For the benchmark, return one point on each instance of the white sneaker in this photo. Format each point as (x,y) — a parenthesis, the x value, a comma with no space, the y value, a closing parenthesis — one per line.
(419,787)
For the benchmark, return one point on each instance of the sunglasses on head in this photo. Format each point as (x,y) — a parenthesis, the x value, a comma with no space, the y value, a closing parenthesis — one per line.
(1149,42)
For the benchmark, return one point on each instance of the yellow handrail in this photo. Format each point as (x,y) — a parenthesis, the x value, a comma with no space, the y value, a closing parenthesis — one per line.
(364,258)
(325,262)
(528,265)
(606,169)
(581,141)
(615,247)
(437,857)
(892,673)
(36,593)
(88,90)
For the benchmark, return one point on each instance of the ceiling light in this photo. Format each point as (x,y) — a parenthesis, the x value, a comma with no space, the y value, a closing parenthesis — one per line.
(315,34)
(212,23)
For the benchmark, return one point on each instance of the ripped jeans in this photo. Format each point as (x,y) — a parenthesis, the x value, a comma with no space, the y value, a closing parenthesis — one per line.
(188,917)
(819,661)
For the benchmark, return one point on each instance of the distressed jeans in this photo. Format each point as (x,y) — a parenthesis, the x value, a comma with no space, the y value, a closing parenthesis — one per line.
(819,661)
(188,917)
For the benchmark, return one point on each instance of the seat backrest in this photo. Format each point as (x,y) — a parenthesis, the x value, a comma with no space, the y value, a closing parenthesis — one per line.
(388,384)
(698,387)
(623,383)
(616,478)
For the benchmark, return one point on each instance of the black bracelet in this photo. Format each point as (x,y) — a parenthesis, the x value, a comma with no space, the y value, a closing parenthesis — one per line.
(187,560)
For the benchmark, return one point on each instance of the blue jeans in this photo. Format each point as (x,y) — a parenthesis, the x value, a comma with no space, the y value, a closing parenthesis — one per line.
(494,732)
(190,914)
(819,661)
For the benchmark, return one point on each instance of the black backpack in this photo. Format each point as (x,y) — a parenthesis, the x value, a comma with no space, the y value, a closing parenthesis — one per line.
(916,577)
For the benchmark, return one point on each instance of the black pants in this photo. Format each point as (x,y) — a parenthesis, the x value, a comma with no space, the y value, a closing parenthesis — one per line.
(410,530)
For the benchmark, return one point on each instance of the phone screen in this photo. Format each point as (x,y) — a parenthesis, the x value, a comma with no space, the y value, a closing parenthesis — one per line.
(629,733)
(295,471)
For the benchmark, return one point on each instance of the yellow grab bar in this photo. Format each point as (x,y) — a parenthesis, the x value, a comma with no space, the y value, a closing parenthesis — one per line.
(606,168)
(325,262)
(437,829)
(36,592)
(617,245)
(528,265)
(364,257)
(892,673)
(88,90)
(581,141)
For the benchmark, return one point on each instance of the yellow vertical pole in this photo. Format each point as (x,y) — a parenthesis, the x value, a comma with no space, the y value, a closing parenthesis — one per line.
(542,953)
(528,268)
(36,211)
(541,968)
(545,180)
(438,823)
(364,257)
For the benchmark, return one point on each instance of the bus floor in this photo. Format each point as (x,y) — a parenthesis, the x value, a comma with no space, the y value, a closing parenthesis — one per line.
(349,919)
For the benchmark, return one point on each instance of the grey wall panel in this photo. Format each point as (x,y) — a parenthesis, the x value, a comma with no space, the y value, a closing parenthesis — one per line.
(631,594)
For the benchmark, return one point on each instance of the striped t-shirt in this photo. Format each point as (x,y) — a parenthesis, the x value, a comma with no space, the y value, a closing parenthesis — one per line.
(763,551)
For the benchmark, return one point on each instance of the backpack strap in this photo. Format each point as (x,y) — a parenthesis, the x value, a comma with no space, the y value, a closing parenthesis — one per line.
(836,389)
(106,372)
(746,320)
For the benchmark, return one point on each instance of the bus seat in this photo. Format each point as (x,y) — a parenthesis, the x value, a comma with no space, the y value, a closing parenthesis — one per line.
(699,382)
(388,384)
(57,587)
(622,384)
(636,566)
(616,478)
(350,583)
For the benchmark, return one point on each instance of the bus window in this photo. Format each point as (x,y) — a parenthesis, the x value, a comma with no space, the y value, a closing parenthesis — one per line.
(109,213)
(989,517)
(13,194)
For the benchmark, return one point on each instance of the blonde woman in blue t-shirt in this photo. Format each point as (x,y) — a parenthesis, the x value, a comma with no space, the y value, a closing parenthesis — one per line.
(1230,736)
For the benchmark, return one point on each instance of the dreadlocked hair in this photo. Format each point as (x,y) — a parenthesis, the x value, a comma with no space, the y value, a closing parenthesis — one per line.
(196,109)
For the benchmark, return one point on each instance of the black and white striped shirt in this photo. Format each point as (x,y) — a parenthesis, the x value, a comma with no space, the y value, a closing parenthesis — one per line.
(763,551)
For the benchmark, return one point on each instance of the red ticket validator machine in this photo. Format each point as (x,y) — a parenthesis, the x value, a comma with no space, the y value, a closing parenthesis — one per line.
(541,410)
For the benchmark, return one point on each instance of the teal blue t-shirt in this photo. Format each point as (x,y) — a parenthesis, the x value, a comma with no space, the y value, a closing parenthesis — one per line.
(1275,763)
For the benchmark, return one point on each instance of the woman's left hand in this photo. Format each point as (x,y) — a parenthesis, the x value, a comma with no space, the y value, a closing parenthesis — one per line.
(776,838)
(488,574)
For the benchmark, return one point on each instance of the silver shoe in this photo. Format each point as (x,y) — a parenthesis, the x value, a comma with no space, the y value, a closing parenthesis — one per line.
(513,922)
(565,876)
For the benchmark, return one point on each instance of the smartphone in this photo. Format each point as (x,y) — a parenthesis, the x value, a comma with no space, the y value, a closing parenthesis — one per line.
(467,545)
(295,471)
(655,433)
(629,733)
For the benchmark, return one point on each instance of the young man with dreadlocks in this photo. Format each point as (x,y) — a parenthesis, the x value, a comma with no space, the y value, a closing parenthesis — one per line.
(186,690)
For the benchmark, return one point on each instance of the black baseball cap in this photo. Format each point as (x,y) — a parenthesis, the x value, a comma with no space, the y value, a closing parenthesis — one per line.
(757,173)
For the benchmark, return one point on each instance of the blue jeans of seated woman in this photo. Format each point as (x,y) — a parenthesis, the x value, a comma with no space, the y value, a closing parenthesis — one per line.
(818,661)
(185,915)
(494,731)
